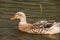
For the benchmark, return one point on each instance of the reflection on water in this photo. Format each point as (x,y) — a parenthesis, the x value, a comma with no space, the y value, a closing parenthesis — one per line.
(9,29)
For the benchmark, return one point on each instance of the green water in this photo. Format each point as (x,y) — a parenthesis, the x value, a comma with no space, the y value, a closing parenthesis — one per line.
(9,29)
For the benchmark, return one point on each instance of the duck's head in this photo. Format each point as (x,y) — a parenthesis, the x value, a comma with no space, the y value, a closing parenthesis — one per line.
(19,15)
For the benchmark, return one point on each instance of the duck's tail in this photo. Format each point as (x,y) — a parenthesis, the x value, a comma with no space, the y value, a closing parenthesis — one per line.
(54,29)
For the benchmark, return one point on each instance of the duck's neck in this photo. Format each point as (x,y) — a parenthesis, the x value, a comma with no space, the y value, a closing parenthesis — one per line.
(23,21)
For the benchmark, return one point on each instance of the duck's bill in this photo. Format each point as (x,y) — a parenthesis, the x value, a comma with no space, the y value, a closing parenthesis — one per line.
(13,18)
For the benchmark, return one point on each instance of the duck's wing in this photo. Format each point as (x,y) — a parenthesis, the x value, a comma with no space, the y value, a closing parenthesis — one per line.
(39,28)
(38,25)
(43,24)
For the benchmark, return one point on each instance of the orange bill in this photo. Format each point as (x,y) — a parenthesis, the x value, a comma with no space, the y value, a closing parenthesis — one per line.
(13,18)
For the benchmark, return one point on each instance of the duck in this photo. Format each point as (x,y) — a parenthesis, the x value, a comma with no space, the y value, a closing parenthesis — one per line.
(40,27)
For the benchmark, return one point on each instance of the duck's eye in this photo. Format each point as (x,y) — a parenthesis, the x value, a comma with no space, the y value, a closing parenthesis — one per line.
(19,14)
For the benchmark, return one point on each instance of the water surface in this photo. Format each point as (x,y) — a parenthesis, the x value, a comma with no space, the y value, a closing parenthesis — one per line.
(9,29)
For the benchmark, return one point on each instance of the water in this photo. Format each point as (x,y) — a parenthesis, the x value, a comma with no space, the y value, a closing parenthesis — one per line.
(9,29)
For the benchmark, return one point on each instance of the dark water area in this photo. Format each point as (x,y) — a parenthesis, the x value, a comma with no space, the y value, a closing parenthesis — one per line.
(9,29)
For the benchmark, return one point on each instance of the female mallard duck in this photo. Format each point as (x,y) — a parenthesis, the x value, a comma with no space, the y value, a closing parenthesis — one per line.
(42,27)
